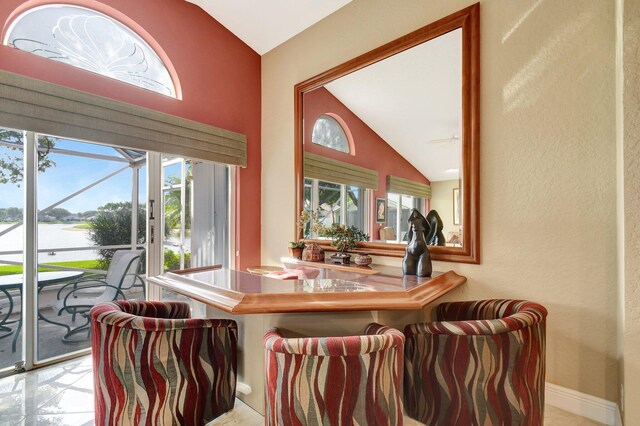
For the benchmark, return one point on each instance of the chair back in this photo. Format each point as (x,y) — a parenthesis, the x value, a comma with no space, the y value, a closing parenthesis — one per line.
(387,233)
(116,257)
(155,366)
(121,274)
(482,362)
(334,380)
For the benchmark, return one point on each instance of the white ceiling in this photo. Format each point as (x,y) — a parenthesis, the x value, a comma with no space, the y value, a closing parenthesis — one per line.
(264,25)
(411,100)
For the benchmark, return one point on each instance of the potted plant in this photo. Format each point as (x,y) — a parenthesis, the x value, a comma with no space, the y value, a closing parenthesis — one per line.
(295,249)
(344,238)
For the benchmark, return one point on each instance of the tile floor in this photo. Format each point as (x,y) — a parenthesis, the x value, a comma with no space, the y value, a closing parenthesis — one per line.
(62,395)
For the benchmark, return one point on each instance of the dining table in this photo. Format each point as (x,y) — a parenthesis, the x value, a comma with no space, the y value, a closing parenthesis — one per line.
(11,286)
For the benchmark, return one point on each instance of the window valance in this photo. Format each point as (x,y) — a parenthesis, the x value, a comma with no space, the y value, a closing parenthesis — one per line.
(47,108)
(327,169)
(399,185)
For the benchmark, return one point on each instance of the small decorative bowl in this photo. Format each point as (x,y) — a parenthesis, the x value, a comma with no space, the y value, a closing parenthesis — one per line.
(362,259)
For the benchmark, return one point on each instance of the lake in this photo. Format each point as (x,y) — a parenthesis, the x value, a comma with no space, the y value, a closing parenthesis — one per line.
(50,236)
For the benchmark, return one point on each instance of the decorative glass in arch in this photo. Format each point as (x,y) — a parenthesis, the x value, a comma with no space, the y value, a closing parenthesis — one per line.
(329,133)
(92,41)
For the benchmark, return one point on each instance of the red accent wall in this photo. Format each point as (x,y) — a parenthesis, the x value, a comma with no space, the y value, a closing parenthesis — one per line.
(220,80)
(371,151)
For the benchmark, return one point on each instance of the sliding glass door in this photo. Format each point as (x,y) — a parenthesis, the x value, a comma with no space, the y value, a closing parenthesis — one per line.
(83,223)
(11,246)
(84,227)
(73,230)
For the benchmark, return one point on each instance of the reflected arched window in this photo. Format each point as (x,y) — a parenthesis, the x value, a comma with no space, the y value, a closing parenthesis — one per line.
(329,133)
(92,41)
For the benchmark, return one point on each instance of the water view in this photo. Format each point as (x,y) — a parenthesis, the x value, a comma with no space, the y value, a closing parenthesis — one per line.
(51,236)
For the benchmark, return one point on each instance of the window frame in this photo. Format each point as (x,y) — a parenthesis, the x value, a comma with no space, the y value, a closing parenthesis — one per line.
(130,29)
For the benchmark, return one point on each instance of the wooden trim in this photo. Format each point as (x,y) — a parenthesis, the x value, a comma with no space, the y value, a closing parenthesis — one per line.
(51,109)
(469,20)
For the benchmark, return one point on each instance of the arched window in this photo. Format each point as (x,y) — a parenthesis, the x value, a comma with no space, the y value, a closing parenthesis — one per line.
(327,131)
(92,41)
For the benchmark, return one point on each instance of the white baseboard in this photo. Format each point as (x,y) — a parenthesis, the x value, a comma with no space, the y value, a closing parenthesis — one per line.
(582,404)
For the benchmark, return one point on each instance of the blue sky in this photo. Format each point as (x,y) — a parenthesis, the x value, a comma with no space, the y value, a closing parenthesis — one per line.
(71,174)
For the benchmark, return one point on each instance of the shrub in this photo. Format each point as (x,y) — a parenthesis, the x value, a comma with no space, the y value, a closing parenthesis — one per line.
(172,260)
(112,226)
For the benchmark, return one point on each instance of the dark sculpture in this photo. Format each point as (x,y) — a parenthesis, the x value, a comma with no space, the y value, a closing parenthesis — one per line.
(417,260)
(435,237)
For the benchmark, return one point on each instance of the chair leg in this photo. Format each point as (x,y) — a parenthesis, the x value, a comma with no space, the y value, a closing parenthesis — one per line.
(69,336)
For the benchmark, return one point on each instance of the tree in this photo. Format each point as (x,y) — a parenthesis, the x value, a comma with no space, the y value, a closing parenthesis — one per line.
(172,203)
(112,226)
(59,213)
(11,162)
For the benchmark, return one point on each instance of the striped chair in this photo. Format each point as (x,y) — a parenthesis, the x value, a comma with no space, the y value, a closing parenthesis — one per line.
(153,365)
(334,380)
(481,363)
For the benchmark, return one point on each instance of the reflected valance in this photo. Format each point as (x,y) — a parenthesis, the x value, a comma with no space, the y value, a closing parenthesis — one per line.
(399,185)
(42,107)
(327,169)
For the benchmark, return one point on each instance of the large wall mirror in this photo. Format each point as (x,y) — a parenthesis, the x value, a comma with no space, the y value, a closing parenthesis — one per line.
(395,129)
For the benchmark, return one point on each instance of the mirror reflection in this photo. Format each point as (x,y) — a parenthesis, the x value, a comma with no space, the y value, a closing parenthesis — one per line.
(386,139)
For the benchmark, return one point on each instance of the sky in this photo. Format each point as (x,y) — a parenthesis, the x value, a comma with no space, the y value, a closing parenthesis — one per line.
(72,173)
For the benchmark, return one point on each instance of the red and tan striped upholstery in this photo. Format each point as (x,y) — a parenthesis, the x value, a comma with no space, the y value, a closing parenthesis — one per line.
(153,365)
(334,380)
(482,363)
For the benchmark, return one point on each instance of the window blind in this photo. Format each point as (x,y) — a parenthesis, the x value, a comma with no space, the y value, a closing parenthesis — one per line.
(327,169)
(399,185)
(42,107)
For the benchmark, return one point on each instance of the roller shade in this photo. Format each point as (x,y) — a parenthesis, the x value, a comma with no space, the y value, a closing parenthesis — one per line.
(323,168)
(38,106)
(399,185)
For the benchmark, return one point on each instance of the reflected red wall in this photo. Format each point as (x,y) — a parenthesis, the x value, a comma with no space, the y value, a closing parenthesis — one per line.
(219,77)
(371,151)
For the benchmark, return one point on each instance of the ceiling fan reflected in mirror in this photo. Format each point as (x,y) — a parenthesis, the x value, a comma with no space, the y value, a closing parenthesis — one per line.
(452,140)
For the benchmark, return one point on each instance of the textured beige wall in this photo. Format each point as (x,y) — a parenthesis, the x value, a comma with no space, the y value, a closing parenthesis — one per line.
(631,186)
(548,151)
(442,202)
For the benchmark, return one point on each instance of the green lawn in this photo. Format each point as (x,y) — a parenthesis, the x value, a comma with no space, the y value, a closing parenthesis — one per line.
(83,225)
(85,264)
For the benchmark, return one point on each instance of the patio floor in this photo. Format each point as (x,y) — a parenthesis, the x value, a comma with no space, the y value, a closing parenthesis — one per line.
(49,336)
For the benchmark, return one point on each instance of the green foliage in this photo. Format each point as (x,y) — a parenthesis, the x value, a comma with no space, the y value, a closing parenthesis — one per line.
(84,264)
(112,226)
(344,238)
(296,244)
(172,203)
(11,161)
(172,260)
(10,214)
(58,213)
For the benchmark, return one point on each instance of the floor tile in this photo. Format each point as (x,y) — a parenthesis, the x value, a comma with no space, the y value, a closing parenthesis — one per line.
(62,395)
(241,414)
(556,417)
(67,419)
(71,400)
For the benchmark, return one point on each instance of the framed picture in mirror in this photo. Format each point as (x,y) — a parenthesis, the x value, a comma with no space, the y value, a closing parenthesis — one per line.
(456,206)
(381,210)
(393,130)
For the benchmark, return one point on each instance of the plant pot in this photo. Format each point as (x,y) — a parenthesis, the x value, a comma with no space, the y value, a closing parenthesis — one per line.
(341,258)
(295,253)
(362,259)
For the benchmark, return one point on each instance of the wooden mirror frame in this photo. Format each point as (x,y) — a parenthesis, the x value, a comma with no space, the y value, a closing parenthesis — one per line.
(469,20)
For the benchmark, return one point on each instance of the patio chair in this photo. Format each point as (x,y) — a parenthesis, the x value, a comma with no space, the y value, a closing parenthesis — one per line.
(121,275)
(130,282)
